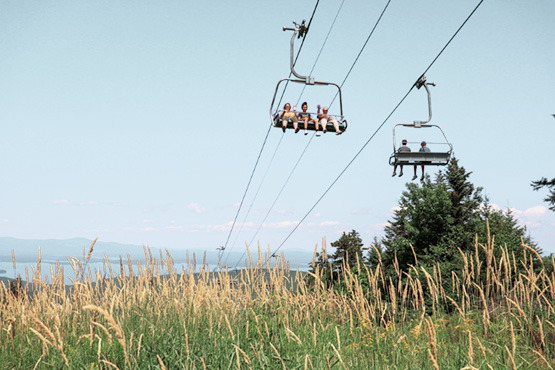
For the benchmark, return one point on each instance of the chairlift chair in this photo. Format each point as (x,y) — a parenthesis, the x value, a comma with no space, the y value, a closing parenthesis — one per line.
(275,115)
(421,158)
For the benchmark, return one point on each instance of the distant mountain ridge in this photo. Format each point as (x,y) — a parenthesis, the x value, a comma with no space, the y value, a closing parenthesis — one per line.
(26,251)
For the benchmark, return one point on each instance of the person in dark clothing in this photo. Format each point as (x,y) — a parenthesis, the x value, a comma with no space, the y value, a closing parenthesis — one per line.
(403,148)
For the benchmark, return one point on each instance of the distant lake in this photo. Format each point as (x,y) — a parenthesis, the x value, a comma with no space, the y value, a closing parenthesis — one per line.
(49,266)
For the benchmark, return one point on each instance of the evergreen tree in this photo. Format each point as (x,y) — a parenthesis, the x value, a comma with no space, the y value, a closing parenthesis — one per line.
(347,248)
(435,219)
(550,184)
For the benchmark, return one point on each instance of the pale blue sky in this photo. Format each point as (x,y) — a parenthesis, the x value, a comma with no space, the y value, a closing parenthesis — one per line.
(140,121)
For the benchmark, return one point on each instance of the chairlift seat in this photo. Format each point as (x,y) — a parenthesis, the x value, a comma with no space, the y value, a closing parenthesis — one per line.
(420,158)
(278,122)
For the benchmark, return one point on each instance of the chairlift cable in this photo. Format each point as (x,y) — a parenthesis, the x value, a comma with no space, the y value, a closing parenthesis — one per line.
(314,65)
(375,132)
(276,198)
(255,196)
(306,147)
(299,51)
(244,194)
(362,49)
(222,250)
(321,49)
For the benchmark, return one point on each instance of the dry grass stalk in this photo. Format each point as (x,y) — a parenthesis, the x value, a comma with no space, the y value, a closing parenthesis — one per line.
(540,326)
(295,337)
(433,359)
(482,349)
(432,340)
(110,364)
(56,342)
(91,250)
(456,306)
(513,365)
(117,329)
(517,306)
(543,359)
(278,356)
(413,253)
(161,362)
(245,356)
(470,348)
(513,339)
(231,330)
(532,250)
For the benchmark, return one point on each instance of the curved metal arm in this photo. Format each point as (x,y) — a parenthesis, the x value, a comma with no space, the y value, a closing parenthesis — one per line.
(422,82)
(307,79)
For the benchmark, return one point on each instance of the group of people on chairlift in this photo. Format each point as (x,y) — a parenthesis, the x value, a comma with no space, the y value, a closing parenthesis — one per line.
(320,121)
(405,148)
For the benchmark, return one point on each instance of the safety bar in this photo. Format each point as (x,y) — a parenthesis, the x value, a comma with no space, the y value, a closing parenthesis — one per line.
(420,126)
(304,82)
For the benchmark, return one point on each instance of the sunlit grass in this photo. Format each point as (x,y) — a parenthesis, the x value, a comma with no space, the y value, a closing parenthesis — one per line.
(145,316)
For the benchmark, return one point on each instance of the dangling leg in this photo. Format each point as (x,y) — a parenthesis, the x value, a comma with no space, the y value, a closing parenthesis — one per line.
(394,171)
(324,123)
(306,125)
(295,124)
(401,174)
(284,120)
(317,127)
(414,177)
(336,127)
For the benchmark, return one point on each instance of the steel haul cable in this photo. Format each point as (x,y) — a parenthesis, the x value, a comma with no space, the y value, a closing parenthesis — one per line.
(347,75)
(362,49)
(376,131)
(306,147)
(275,200)
(255,195)
(221,251)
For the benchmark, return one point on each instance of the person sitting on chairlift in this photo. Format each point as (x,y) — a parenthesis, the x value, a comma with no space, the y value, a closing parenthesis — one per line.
(324,118)
(403,148)
(424,149)
(304,116)
(287,116)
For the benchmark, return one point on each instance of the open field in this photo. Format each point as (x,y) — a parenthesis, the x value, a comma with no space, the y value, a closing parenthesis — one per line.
(492,316)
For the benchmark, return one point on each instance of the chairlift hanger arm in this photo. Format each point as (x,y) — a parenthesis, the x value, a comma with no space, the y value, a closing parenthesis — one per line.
(422,82)
(301,31)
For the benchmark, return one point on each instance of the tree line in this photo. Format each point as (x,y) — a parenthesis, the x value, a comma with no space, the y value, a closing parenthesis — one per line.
(436,221)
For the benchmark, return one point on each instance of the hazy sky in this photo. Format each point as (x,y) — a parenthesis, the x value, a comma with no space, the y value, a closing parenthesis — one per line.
(140,121)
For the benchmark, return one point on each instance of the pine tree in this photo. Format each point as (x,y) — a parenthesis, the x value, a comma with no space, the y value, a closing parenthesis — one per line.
(550,184)
(434,220)
(347,248)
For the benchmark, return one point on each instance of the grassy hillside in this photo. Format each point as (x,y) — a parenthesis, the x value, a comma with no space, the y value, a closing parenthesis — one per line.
(269,318)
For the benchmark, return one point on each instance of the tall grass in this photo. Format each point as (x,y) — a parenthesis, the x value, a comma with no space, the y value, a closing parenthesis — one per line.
(146,316)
